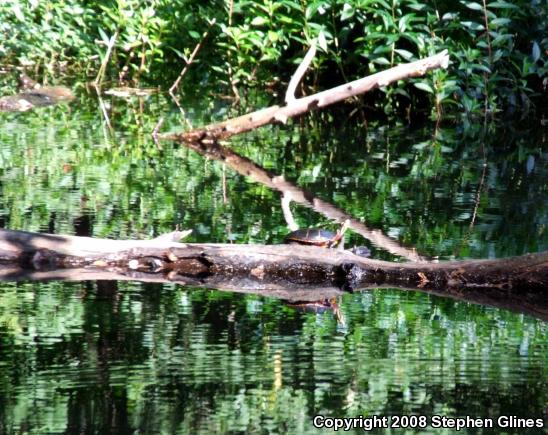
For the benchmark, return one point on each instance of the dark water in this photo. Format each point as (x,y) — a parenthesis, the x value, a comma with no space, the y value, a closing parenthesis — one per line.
(108,357)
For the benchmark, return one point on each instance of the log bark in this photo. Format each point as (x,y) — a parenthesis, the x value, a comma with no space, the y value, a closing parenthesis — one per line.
(518,283)
(295,107)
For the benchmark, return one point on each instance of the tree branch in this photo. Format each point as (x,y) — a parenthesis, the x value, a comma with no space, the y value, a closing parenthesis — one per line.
(292,192)
(305,104)
(299,73)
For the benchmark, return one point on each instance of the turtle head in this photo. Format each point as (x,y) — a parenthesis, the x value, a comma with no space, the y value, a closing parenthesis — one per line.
(336,241)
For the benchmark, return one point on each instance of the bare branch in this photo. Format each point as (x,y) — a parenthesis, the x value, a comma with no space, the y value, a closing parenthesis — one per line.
(102,69)
(103,108)
(156,130)
(288,216)
(302,105)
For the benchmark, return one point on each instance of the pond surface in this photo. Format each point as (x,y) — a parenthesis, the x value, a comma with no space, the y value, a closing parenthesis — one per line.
(124,357)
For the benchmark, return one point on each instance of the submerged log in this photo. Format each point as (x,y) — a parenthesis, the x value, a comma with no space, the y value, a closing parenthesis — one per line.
(274,270)
(33,95)
(30,100)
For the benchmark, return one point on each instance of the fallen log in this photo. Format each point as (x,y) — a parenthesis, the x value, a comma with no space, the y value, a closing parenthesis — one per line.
(518,283)
(31,99)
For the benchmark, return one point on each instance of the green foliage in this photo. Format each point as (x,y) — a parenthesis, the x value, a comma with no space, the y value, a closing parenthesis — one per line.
(498,49)
(37,33)
(501,67)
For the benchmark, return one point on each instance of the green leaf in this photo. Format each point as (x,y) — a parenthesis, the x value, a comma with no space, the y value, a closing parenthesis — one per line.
(383,4)
(502,5)
(424,87)
(259,21)
(381,61)
(480,67)
(421,145)
(501,39)
(103,36)
(382,49)
(407,55)
(416,6)
(347,12)
(322,42)
(273,36)
(16,9)
(500,21)
(536,52)
(474,6)
(403,23)
(472,25)
(319,7)
(316,170)
(497,55)
(402,92)
(449,16)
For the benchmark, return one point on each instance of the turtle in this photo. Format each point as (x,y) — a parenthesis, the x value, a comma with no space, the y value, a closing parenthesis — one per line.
(324,239)
(318,237)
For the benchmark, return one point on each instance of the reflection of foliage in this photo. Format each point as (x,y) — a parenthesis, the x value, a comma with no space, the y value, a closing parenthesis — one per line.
(56,317)
(173,359)
(420,188)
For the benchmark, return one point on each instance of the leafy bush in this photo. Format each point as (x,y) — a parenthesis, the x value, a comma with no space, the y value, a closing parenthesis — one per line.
(501,67)
(497,48)
(36,33)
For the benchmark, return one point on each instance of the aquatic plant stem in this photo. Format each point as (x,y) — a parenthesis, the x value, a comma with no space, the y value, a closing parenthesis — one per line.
(487,36)
(490,58)
(478,196)
(103,107)
(188,62)
(102,69)
(229,55)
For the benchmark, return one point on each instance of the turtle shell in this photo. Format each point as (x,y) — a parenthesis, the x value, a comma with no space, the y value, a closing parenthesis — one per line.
(312,236)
